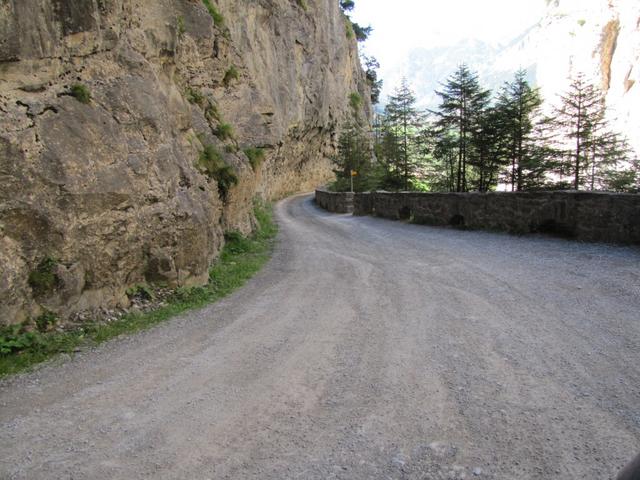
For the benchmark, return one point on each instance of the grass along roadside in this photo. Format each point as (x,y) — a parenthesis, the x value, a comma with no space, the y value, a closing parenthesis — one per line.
(240,259)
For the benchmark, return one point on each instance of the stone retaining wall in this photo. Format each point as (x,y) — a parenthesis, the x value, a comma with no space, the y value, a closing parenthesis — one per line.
(336,202)
(590,216)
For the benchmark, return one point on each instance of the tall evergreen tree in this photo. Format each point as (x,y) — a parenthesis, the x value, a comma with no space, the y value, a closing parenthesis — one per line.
(518,105)
(582,109)
(461,102)
(403,119)
(354,155)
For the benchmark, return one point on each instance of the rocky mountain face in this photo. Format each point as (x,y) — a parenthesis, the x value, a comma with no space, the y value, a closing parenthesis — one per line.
(106,107)
(600,38)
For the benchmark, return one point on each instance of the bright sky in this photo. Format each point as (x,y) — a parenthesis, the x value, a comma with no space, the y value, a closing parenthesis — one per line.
(402,25)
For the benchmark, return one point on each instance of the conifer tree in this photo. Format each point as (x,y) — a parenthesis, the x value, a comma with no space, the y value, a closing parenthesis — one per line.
(461,102)
(582,109)
(354,155)
(403,120)
(518,105)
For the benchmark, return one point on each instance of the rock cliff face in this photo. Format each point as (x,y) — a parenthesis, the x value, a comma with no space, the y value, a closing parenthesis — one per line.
(98,194)
(600,38)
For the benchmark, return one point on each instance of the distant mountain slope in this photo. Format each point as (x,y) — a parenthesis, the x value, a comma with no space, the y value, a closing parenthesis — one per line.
(600,38)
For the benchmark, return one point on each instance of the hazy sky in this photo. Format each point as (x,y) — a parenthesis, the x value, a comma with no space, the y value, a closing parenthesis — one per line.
(402,25)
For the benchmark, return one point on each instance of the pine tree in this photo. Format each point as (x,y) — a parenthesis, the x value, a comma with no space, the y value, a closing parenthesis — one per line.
(518,104)
(462,100)
(354,155)
(582,109)
(402,123)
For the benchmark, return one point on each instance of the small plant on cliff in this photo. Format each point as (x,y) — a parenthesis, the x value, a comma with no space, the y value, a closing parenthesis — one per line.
(255,156)
(46,321)
(218,19)
(194,96)
(224,131)
(212,163)
(180,26)
(230,75)
(81,93)
(302,4)
(43,279)
(141,292)
(355,100)
(348,28)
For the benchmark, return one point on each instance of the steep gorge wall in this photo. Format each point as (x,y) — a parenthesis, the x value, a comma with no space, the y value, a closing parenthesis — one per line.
(111,190)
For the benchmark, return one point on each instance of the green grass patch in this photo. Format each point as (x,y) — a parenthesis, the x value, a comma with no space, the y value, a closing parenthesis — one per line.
(218,19)
(212,163)
(355,100)
(224,131)
(81,93)
(230,75)
(255,156)
(194,96)
(240,259)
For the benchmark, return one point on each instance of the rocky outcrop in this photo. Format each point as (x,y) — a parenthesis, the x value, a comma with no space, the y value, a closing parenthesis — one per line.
(600,38)
(107,106)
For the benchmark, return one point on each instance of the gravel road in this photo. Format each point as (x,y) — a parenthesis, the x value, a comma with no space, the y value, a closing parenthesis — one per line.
(366,349)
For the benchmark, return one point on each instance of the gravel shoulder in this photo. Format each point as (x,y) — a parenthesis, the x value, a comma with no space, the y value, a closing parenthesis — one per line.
(365,349)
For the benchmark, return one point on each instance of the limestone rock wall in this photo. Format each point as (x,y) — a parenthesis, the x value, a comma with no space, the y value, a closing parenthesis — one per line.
(110,193)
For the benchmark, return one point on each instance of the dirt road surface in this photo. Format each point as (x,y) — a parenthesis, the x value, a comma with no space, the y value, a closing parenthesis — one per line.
(366,349)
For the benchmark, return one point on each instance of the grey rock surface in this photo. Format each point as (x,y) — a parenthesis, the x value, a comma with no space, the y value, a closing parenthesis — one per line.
(365,349)
(111,189)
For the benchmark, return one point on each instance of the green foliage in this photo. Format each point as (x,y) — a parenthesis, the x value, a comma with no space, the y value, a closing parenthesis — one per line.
(361,33)
(348,28)
(354,155)
(371,66)
(141,291)
(218,19)
(355,100)
(212,163)
(581,22)
(180,25)
(211,112)
(43,279)
(81,93)
(15,338)
(230,75)
(255,156)
(240,259)
(347,5)
(195,96)
(45,321)
(302,4)
(224,131)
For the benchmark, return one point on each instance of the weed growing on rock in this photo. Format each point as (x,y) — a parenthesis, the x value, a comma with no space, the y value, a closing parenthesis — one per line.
(255,156)
(45,321)
(218,19)
(355,100)
(212,163)
(230,75)
(43,279)
(81,93)
(194,96)
(224,131)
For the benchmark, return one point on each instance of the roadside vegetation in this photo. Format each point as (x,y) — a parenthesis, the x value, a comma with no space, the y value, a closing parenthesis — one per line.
(22,346)
(476,140)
